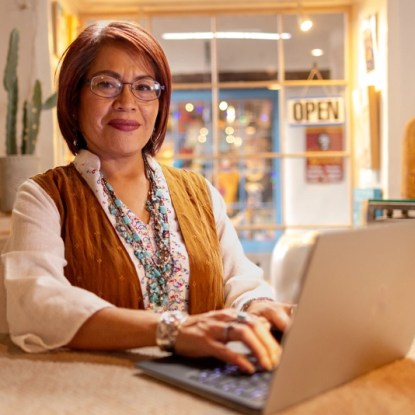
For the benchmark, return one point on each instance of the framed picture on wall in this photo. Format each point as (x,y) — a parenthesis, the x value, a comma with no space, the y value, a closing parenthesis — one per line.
(324,169)
(370,43)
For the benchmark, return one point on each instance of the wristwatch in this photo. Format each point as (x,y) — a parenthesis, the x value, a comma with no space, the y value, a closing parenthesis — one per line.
(168,329)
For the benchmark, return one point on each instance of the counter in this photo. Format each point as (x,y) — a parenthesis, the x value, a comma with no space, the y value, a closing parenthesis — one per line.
(87,383)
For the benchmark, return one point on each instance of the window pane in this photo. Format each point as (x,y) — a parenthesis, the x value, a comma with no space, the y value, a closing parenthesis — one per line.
(189,58)
(327,34)
(315,188)
(247,121)
(247,59)
(248,181)
(189,133)
(328,102)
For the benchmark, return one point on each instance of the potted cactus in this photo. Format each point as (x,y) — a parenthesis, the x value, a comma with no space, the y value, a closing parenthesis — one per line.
(20,161)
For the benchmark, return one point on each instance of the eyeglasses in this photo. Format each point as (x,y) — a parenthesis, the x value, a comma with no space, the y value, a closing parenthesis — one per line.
(106,86)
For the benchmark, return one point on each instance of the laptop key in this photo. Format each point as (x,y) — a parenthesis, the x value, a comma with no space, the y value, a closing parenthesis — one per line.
(230,379)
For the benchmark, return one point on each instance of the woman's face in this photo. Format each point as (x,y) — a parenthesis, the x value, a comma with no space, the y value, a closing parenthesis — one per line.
(117,127)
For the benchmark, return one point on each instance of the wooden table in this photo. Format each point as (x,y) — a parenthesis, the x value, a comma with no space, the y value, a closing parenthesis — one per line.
(86,383)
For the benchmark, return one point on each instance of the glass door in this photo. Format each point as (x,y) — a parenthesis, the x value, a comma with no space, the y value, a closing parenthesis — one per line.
(239,159)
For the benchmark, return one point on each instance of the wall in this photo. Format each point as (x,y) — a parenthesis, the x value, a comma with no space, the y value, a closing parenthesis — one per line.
(31,18)
(394,79)
(365,176)
(396,32)
(401,86)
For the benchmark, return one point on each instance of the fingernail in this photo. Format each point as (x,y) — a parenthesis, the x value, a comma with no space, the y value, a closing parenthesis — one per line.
(250,369)
(276,357)
(268,365)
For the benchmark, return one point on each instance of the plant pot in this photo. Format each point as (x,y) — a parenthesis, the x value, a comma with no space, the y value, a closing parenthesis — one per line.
(14,170)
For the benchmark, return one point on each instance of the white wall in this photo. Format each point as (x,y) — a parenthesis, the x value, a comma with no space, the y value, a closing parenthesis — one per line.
(394,78)
(34,58)
(401,86)
(361,79)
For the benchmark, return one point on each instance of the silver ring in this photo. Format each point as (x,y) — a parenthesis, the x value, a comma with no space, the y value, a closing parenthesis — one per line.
(244,318)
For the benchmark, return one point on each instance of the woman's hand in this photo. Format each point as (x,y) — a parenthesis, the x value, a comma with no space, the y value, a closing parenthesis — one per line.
(278,314)
(207,334)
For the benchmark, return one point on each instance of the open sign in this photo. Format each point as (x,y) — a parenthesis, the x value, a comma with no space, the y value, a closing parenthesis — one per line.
(312,111)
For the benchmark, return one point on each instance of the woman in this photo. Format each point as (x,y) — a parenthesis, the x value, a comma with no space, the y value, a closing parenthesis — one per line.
(115,251)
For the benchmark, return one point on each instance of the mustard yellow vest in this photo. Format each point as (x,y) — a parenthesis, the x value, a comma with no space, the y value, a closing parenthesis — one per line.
(99,262)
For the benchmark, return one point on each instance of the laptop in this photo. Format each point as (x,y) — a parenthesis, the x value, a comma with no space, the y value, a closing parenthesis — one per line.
(356,312)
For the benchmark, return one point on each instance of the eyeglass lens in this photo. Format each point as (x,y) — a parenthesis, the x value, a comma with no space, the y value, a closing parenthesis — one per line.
(106,86)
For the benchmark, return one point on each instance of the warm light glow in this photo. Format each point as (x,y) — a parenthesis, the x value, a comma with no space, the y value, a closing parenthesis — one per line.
(226,35)
(274,87)
(250,130)
(204,131)
(223,105)
(317,52)
(189,107)
(230,114)
(237,142)
(230,139)
(229,130)
(305,24)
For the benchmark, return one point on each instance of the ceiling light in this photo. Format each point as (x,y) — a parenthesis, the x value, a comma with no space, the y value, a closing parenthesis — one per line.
(226,35)
(317,52)
(304,21)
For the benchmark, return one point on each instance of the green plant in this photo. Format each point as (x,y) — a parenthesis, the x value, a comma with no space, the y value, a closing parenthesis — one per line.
(32,108)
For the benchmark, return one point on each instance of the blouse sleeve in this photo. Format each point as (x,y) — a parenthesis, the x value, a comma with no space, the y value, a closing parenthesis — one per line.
(44,311)
(243,280)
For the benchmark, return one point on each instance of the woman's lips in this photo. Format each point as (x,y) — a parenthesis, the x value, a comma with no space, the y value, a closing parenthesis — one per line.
(124,125)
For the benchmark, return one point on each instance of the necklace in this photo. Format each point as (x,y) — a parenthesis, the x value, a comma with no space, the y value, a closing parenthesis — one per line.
(158,268)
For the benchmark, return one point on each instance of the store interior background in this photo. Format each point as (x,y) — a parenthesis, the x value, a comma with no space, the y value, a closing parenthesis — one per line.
(295,204)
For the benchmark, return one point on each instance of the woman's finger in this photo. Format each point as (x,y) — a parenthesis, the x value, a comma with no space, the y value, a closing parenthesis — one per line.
(207,335)
(279,315)
(256,336)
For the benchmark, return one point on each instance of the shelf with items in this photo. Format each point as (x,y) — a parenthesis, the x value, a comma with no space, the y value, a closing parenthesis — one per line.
(384,209)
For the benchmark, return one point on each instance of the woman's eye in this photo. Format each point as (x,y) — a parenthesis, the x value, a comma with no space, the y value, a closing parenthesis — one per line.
(105,85)
(142,87)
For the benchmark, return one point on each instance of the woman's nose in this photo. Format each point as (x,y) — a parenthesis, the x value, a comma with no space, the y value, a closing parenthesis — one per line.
(126,99)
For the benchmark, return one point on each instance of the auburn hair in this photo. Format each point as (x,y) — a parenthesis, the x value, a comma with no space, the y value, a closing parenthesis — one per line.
(78,58)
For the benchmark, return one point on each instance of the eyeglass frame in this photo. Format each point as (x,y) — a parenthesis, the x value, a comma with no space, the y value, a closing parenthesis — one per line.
(158,91)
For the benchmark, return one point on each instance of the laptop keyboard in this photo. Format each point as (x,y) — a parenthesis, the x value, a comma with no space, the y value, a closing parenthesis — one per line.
(230,379)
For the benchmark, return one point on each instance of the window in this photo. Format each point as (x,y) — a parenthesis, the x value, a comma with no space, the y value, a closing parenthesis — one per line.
(236,77)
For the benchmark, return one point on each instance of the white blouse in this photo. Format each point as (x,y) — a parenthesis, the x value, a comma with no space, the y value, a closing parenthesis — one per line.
(44,311)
